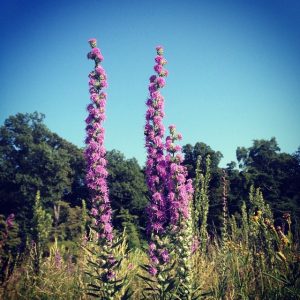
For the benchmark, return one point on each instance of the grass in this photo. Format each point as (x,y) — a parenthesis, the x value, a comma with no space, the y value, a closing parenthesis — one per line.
(256,261)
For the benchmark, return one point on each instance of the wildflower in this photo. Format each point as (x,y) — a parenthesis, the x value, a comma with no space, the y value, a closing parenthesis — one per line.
(180,193)
(172,128)
(159,59)
(152,246)
(158,69)
(161,82)
(165,256)
(153,271)
(171,193)
(179,189)
(110,275)
(111,259)
(100,71)
(155,171)
(95,151)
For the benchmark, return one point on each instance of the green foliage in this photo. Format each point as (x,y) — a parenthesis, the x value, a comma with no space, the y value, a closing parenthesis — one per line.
(33,158)
(248,273)
(103,268)
(9,237)
(127,192)
(129,223)
(59,277)
(84,218)
(162,286)
(186,288)
(126,183)
(258,259)
(41,222)
(277,174)
(41,227)
(213,177)
(9,242)
(70,222)
(245,223)
(262,165)
(201,202)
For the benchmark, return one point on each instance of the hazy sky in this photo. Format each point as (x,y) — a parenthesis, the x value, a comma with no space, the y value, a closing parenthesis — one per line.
(234,68)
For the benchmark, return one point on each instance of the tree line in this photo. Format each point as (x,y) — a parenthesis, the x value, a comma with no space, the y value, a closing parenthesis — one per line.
(34,159)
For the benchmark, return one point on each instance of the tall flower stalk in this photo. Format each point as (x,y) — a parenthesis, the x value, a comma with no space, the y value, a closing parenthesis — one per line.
(201,202)
(224,232)
(95,151)
(154,133)
(103,264)
(156,167)
(169,217)
(222,286)
(180,195)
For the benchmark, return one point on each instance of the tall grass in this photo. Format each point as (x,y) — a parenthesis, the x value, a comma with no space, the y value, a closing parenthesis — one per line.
(260,262)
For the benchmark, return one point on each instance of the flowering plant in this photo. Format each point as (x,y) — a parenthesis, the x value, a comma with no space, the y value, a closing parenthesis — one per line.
(169,220)
(103,263)
(95,151)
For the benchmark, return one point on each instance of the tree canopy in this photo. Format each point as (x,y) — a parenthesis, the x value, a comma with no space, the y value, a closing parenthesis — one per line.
(32,158)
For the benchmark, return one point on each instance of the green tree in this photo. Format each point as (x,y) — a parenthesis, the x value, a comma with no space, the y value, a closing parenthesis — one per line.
(129,223)
(33,158)
(126,183)
(202,150)
(127,191)
(276,174)
(69,227)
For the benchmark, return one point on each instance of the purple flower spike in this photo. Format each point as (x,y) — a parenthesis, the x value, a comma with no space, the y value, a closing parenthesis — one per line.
(156,165)
(96,177)
(170,192)
(180,190)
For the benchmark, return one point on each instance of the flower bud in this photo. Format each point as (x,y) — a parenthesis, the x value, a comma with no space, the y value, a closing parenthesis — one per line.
(93,43)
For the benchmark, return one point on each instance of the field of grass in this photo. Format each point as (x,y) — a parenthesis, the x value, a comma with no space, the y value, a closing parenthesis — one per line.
(253,260)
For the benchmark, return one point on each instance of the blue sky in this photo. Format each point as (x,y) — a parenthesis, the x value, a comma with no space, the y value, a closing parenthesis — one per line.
(234,68)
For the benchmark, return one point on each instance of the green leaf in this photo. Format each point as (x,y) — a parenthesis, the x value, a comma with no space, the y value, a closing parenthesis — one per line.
(170,286)
(145,267)
(93,263)
(94,286)
(145,278)
(170,268)
(93,295)
(127,295)
(117,244)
